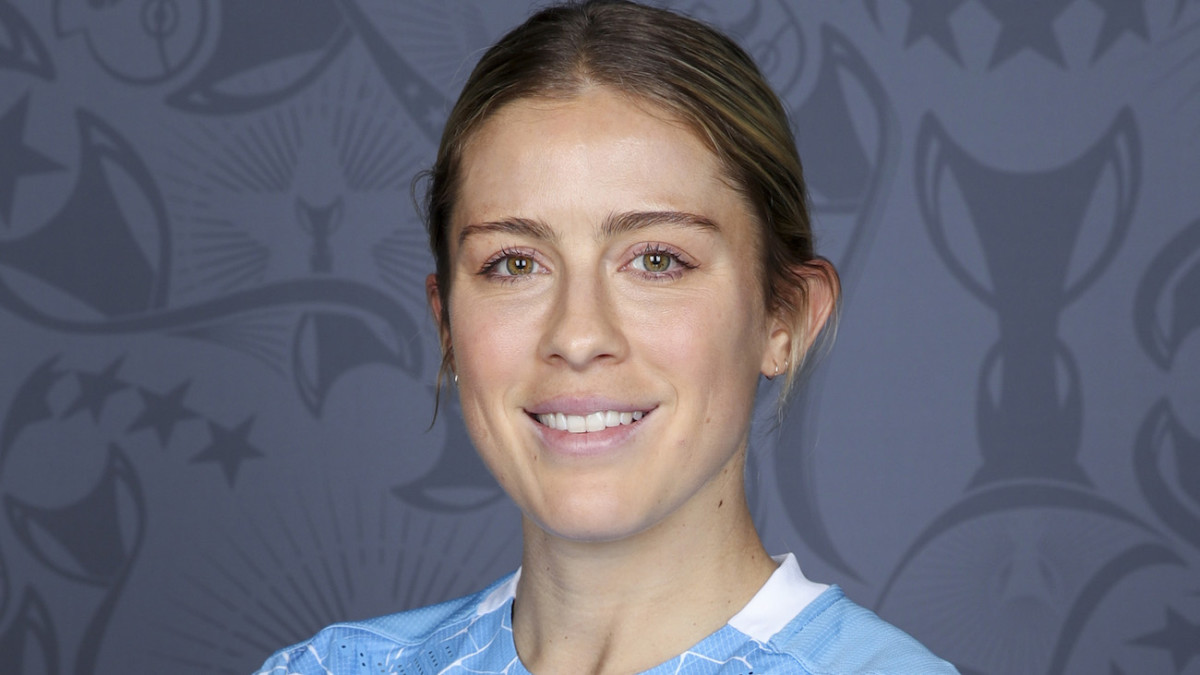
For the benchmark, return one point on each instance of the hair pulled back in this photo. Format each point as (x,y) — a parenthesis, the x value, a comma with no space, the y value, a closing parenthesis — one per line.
(694,73)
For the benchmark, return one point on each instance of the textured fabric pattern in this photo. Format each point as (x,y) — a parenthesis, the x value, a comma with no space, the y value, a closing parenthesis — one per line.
(473,635)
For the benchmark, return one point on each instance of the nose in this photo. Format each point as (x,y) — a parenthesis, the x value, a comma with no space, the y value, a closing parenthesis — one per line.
(584,325)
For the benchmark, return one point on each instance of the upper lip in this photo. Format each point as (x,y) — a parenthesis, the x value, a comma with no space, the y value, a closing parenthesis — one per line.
(585,405)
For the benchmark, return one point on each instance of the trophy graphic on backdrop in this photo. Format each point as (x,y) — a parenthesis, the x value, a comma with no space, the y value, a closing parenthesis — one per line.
(1030,552)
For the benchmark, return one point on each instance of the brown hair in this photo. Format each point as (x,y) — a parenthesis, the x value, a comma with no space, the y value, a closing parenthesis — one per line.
(676,63)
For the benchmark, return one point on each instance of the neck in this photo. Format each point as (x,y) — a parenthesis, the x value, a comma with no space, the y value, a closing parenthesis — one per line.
(626,606)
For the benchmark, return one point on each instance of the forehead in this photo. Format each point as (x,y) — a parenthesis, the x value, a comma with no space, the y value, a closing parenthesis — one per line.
(594,153)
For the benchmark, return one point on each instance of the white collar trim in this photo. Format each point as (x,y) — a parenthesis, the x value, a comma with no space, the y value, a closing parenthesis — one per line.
(786,592)
(778,602)
(499,595)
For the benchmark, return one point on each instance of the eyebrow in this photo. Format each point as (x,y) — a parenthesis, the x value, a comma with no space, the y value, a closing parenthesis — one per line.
(614,225)
(535,229)
(630,221)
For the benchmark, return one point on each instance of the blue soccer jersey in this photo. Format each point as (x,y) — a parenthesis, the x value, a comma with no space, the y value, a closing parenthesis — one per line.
(791,625)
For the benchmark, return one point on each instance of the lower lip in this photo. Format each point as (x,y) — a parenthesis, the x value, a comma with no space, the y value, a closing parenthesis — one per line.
(587,443)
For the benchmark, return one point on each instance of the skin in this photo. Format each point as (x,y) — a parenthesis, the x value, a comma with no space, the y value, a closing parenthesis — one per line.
(600,260)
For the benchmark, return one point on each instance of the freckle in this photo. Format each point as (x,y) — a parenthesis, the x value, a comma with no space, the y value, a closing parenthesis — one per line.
(720,503)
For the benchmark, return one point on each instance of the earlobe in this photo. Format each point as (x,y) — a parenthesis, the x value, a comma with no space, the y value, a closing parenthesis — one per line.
(779,346)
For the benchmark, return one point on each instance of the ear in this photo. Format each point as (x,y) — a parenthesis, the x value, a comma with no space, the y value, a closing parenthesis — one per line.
(779,346)
(793,330)
(434,297)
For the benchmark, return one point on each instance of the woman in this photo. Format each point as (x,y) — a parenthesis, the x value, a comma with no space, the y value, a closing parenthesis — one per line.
(623,248)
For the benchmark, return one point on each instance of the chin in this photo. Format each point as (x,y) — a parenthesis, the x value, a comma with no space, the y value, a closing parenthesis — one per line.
(597,519)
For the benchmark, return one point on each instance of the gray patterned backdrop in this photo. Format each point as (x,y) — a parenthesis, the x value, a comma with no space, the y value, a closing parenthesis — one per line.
(216,366)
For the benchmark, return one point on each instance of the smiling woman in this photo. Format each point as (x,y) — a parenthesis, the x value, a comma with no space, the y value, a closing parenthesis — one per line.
(623,249)
(642,265)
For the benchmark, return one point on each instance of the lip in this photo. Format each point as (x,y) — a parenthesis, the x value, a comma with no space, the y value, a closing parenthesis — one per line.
(591,443)
(582,405)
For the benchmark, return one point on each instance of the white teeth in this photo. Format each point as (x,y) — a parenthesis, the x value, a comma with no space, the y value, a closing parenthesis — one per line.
(597,421)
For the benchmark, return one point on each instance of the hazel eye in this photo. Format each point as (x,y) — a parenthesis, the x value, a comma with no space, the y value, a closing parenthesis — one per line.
(656,262)
(509,264)
(518,265)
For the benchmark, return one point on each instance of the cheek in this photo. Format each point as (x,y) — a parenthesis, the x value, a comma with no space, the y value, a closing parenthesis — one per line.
(712,344)
(488,357)
(672,336)
(710,319)
(488,341)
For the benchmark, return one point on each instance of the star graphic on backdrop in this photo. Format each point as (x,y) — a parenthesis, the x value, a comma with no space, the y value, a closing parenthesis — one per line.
(1120,16)
(19,160)
(931,19)
(1179,636)
(229,448)
(1026,24)
(161,412)
(95,388)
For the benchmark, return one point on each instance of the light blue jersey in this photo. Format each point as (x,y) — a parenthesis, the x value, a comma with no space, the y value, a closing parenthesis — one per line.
(790,626)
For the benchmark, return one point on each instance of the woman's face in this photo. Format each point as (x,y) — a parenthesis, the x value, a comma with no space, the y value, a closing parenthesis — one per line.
(606,315)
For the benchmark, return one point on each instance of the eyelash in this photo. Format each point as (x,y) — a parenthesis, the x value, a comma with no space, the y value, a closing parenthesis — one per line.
(679,260)
(491,267)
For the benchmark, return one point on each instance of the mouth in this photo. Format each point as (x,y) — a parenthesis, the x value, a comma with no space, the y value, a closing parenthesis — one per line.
(590,422)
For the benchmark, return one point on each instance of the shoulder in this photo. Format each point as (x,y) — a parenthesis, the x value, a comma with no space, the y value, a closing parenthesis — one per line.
(835,635)
(346,647)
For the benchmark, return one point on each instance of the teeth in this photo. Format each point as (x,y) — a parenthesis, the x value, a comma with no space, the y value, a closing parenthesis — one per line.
(597,421)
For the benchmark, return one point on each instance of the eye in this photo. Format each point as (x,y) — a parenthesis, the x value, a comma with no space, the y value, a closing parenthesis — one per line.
(657,261)
(516,265)
(509,263)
